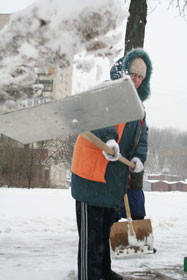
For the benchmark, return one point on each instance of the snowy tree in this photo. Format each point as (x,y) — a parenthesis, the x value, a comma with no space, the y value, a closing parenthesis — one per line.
(167,151)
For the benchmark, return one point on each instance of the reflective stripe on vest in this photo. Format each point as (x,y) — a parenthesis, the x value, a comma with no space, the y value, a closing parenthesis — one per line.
(141,126)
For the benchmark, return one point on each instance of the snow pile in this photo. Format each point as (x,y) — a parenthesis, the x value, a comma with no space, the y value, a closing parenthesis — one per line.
(51,32)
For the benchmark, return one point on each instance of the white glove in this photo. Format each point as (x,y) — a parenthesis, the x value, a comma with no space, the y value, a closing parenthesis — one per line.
(139,165)
(114,145)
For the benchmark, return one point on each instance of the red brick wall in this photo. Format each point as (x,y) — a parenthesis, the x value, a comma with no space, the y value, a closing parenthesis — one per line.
(164,187)
(160,186)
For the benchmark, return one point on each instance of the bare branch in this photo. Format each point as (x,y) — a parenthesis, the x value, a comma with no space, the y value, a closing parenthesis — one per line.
(181,5)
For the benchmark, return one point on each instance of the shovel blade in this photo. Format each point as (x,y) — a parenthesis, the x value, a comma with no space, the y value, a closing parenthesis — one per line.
(119,237)
(112,103)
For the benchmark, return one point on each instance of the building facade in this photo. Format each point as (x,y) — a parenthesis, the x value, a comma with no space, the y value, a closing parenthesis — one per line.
(164,186)
(53,83)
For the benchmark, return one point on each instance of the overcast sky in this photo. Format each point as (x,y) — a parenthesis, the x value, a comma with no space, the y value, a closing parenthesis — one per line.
(166,43)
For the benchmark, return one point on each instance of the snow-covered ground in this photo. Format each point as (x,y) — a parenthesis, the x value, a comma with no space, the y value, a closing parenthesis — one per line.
(38,236)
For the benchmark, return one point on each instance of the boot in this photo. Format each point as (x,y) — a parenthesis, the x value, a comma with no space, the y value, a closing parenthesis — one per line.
(111,275)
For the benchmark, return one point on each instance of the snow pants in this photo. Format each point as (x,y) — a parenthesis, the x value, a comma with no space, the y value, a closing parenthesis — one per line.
(94,225)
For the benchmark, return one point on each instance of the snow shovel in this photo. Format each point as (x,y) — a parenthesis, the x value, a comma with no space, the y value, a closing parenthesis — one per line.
(111,103)
(129,237)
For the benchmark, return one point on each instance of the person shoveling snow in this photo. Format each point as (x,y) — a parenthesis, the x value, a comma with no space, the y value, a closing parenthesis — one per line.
(99,180)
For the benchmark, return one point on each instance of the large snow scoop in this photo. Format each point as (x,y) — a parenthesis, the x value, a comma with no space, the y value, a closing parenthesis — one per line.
(126,237)
(111,103)
(131,237)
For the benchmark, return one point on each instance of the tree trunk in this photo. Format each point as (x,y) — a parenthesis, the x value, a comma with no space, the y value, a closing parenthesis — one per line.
(135,30)
(30,167)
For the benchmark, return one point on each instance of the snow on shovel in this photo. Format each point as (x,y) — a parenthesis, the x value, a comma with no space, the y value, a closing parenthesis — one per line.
(129,237)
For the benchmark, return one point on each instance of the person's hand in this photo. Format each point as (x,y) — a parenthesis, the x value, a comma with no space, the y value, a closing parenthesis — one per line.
(139,165)
(114,145)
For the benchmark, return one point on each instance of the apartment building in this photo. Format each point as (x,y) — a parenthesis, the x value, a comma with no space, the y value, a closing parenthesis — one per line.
(53,83)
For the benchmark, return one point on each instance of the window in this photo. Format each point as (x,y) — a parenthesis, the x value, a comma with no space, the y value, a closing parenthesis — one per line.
(48,84)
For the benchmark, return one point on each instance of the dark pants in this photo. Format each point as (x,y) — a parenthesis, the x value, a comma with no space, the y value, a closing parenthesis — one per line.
(94,225)
(137,218)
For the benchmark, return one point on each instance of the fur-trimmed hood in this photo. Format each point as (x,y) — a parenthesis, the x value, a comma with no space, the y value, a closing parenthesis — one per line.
(123,66)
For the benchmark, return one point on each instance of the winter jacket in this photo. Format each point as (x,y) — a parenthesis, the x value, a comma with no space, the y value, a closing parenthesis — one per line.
(110,193)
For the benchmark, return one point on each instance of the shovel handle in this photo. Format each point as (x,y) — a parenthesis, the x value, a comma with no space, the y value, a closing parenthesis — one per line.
(101,145)
(127,208)
(128,214)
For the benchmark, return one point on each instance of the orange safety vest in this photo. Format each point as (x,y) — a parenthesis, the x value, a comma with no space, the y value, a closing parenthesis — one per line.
(88,161)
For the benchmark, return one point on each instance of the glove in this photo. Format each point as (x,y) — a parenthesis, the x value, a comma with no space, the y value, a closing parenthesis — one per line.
(114,145)
(139,165)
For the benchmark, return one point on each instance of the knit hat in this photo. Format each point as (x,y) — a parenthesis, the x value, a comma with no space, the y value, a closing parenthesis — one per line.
(138,66)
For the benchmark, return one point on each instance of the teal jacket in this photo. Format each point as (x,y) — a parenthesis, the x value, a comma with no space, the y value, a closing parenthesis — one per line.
(111,193)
